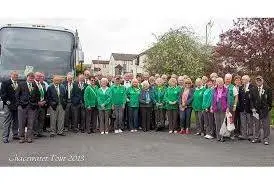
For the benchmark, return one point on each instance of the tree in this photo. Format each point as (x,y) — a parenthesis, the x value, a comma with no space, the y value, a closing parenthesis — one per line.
(78,69)
(177,51)
(247,48)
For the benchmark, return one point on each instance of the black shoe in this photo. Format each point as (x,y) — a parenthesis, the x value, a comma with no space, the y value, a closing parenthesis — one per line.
(242,137)
(15,137)
(52,135)
(62,134)
(41,135)
(75,130)
(35,136)
(29,140)
(89,132)
(82,131)
(5,141)
(222,140)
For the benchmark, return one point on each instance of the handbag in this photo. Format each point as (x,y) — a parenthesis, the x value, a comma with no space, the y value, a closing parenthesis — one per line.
(230,125)
(223,131)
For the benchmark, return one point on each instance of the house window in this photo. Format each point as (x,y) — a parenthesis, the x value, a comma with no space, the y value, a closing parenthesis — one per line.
(104,66)
(125,62)
(131,62)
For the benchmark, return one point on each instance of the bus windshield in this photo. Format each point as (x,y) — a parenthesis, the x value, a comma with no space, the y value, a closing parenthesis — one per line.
(48,51)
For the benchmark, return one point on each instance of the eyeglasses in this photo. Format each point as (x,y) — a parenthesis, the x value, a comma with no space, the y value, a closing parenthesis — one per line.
(92,80)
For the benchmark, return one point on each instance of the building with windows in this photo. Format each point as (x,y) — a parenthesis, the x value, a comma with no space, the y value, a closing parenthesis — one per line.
(101,65)
(120,64)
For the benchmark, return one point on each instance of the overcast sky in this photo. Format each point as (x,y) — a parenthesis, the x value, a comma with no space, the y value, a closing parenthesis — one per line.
(122,26)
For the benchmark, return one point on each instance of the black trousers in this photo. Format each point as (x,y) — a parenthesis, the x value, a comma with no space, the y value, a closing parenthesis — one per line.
(79,116)
(146,117)
(172,116)
(68,116)
(39,121)
(91,119)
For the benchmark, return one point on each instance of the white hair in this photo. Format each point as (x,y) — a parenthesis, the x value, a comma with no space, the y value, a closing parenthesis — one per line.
(180,78)
(104,80)
(198,80)
(219,80)
(246,77)
(145,84)
(228,76)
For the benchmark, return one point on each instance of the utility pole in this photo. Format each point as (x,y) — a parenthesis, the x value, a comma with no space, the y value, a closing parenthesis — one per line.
(209,24)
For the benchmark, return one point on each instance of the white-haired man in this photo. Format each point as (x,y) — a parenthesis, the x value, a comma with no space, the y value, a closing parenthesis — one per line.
(261,103)
(245,108)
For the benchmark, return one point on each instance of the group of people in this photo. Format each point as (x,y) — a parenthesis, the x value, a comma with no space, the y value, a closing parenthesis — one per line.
(114,104)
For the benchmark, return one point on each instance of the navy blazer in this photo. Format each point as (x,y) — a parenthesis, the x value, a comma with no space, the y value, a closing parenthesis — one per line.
(189,97)
(24,97)
(65,83)
(52,97)
(262,104)
(245,98)
(8,94)
(77,95)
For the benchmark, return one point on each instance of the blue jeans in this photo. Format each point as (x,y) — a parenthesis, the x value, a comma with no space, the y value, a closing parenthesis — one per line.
(133,117)
(185,117)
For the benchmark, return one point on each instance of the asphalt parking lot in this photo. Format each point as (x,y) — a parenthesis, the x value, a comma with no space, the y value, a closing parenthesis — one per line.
(135,149)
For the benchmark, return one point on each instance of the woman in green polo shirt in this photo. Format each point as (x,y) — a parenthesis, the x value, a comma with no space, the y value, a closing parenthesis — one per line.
(208,116)
(197,106)
(171,99)
(90,99)
(159,93)
(104,105)
(133,94)
(118,101)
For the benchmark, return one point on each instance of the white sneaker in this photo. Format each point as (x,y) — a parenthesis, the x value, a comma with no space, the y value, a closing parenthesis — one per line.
(102,133)
(120,131)
(106,132)
(116,131)
(135,130)
(206,136)
(175,132)
(210,137)
(132,131)
(170,132)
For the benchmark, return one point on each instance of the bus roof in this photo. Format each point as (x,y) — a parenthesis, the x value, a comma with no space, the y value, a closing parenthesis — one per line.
(39,26)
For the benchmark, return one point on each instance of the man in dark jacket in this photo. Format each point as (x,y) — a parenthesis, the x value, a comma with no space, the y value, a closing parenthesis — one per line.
(77,101)
(27,96)
(56,97)
(68,84)
(8,88)
(247,122)
(261,104)
(42,107)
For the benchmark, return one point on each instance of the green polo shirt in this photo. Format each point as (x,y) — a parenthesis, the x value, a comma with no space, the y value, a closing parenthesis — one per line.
(172,95)
(133,95)
(104,98)
(118,95)
(207,98)
(90,96)
(198,99)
